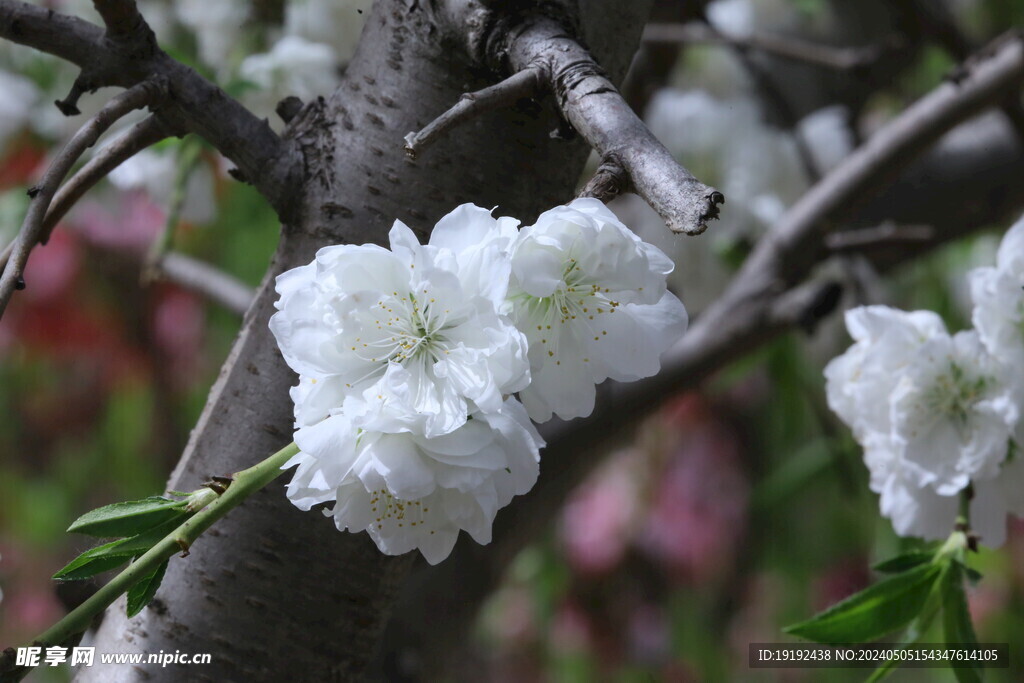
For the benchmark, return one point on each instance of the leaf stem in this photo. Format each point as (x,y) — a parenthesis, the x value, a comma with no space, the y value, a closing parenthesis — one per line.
(244,484)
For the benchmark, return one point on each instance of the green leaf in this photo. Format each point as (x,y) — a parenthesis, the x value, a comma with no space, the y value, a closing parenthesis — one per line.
(956,620)
(142,592)
(902,563)
(128,518)
(875,611)
(94,561)
(111,555)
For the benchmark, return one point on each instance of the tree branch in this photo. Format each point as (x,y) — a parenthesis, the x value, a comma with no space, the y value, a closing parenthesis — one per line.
(121,57)
(787,47)
(524,84)
(205,280)
(511,43)
(148,93)
(597,111)
(880,236)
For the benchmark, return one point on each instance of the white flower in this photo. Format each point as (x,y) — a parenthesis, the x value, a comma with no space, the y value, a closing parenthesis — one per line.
(408,491)
(933,414)
(922,512)
(592,300)
(952,413)
(422,316)
(860,381)
(998,295)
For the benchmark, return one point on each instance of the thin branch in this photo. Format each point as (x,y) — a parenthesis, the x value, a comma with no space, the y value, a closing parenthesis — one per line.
(938,23)
(147,93)
(596,110)
(144,134)
(116,58)
(70,38)
(205,280)
(877,237)
(527,83)
(787,47)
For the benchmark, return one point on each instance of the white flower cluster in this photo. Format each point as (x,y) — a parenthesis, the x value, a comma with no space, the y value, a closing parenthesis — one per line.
(408,358)
(936,413)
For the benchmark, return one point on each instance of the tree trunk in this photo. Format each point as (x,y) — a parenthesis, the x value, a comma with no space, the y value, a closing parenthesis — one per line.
(274,593)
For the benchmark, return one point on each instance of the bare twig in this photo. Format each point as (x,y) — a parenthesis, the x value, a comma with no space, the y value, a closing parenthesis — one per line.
(787,47)
(880,236)
(206,280)
(146,93)
(520,85)
(592,105)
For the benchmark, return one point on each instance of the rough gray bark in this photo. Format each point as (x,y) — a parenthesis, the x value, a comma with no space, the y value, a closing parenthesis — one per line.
(275,592)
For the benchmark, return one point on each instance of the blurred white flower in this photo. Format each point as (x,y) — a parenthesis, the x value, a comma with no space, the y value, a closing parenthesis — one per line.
(827,135)
(744,17)
(423,317)
(18,97)
(998,295)
(408,491)
(592,300)
(155,172)
(337,23)
(217,25)
(294,66)
(734,17)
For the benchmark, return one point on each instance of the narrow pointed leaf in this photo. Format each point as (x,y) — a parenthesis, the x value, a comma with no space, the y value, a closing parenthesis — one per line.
(112,555)
(141,593)
(875,611)
(94,561)
(128,518)
(956,620)
(902,563)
